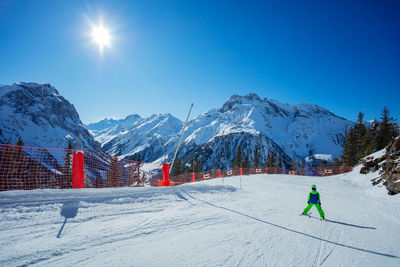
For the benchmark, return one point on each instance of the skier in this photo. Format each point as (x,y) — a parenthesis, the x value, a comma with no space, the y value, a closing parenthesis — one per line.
(314,199)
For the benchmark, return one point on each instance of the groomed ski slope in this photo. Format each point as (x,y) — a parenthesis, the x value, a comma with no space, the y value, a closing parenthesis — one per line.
(204,224)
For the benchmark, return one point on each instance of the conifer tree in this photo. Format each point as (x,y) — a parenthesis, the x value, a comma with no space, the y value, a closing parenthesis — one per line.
(20,142)
(246,163)
(367,146)
(303,163)
(280,162)
(20,173)
(271,160)
(294,162)
(198,166)
(7,161)
(256,158)
(66,178)
(237,162)
(178,167)
(337,162)
(349,155)
(360,130)
(114,175)
(388,129)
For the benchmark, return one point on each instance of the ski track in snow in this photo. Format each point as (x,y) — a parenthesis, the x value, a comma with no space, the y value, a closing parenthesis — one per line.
(203,224)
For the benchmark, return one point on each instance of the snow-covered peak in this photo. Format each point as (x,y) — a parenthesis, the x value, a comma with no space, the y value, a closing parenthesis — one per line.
(284,129)
(103,124)
(40,115)
(32,90)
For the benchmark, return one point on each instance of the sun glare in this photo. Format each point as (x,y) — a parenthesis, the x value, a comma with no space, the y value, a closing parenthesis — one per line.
(101,36)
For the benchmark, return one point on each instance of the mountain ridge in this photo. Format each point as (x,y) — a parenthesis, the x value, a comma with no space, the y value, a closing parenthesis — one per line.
(291,127)
(41,116)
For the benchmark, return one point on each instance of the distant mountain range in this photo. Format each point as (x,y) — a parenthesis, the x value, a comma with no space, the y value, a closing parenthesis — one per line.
(213,137)
(42,117)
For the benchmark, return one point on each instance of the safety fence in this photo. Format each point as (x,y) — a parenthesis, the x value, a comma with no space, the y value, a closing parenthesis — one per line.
(237,171)
(26,168)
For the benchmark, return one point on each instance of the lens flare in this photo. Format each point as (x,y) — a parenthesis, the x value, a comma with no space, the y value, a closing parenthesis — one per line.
(101,36)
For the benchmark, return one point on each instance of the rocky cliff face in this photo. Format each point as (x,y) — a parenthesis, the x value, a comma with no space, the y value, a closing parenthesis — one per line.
(41,116)
(387,165)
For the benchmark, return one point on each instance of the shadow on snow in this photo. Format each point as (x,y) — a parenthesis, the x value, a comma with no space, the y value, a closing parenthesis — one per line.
(298,232)
(68,210)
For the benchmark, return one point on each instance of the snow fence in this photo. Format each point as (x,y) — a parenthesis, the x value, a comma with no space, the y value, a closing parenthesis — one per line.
(26,168)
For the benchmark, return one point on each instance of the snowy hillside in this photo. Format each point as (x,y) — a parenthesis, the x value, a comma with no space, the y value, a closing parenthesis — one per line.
(212,223)
(152,137)
(304,129)
(99,126)
(385,165)
(41,116)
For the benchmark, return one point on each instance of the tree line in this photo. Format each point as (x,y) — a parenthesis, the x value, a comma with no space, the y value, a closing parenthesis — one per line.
(361,141)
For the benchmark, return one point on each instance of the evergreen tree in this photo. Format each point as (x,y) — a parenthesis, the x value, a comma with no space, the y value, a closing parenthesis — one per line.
(303,163)
(388,129)
(139,158)
(20,142)
(349,154)
(256,158)
(271,160)
(198,166)
(360,132)
(280,162)
(338,162)
(7,161)
(237,162)
(20,173)
(367,145)
(114,175)
(294,162)
(246,163)
(268,160)
(178,167)
(66,178)
(355,143)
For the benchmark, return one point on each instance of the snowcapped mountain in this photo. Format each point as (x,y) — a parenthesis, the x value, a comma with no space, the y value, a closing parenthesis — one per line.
(213,137)
(41,116)
(152,137)
(97,127)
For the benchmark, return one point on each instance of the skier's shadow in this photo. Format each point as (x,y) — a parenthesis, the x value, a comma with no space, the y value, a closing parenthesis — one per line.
(68,210)
(347,224)
(295,231)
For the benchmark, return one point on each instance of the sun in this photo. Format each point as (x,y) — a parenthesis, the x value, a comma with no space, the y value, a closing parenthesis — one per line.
(101,36)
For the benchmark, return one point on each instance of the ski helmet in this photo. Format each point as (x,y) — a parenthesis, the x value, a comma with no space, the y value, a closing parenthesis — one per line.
(314,187)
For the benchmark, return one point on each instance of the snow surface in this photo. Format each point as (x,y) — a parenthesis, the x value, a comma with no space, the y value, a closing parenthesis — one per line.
(248,221)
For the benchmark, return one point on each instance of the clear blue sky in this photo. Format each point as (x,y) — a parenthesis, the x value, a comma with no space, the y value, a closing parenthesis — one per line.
(166,54)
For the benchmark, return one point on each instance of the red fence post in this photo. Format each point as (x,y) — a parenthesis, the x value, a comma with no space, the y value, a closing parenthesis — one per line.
(241,171)
(78,169)
(219,173)
(193,177)
(166,181)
